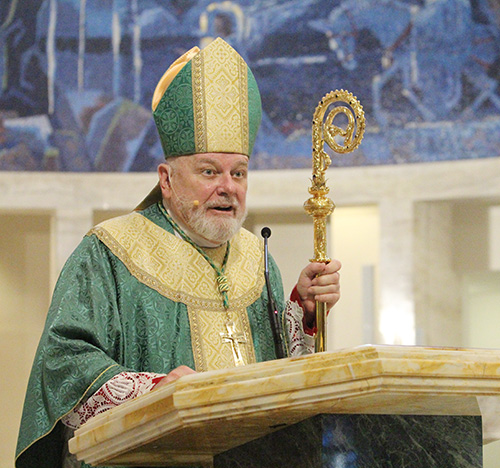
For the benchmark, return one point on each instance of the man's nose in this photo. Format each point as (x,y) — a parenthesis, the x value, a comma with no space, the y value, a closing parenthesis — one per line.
(226,185)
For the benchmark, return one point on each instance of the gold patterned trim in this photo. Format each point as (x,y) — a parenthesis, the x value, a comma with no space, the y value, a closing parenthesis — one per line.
(211,354)
(222,83)
(200,112)
(176,270)
(243,82)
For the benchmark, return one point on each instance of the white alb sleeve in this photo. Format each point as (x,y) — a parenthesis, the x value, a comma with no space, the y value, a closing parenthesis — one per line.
(300,343)
(117,390)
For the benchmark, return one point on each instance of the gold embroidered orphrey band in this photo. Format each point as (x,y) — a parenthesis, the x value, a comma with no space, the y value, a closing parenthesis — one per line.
(220,99)
(176,270)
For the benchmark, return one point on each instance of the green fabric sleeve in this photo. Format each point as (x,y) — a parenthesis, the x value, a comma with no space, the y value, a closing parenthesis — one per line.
(80,349)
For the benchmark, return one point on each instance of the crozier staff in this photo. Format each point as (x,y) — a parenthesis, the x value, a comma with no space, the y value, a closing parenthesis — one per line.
(177,286)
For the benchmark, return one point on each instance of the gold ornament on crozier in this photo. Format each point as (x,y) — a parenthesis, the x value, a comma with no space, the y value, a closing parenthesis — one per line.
(319,206)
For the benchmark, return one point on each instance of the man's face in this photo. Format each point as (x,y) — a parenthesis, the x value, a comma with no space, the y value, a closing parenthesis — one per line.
(207,192)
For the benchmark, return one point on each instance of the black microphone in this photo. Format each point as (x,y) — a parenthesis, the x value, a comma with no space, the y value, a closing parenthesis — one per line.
(266,232)
(271,306)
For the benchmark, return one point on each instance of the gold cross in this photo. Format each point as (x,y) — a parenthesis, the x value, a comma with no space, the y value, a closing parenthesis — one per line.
(235,339)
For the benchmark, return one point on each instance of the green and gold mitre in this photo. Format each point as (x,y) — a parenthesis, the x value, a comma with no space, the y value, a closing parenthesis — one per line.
(207,102)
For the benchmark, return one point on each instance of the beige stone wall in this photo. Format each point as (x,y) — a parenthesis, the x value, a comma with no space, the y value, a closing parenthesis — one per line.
(24,298)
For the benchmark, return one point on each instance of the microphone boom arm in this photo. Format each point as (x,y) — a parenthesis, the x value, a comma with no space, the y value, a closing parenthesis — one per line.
(271,305)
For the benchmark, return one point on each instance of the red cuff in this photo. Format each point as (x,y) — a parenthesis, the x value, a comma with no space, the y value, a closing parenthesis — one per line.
(294,297)
(157,380)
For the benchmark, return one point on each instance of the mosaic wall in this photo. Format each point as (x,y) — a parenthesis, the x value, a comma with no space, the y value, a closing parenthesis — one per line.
(78,76)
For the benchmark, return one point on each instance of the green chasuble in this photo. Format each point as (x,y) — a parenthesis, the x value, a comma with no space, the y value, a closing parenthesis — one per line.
(134,297)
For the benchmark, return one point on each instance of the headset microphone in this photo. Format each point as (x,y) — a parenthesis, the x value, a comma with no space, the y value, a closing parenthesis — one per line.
(170,176)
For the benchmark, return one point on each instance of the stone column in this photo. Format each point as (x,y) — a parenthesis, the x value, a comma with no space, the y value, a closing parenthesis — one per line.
(67,230)
(436,281)
(396,317)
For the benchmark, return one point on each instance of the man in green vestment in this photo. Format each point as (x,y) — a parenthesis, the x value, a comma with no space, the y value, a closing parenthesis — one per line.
(178,285)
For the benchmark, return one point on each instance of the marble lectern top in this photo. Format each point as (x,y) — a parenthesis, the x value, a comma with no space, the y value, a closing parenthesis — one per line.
(200,415)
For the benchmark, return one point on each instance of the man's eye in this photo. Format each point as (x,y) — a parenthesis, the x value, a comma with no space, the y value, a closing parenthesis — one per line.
(208,172)
(239,174)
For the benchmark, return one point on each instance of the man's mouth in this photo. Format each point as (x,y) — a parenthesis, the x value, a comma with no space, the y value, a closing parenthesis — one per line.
(226,209)
(223,206)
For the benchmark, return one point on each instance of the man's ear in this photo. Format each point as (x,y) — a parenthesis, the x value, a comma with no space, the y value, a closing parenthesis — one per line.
(164,175)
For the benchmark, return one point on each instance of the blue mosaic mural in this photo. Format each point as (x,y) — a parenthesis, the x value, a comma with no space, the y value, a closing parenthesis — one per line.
(78,76)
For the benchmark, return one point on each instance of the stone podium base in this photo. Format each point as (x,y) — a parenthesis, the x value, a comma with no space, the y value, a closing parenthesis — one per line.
(365,441)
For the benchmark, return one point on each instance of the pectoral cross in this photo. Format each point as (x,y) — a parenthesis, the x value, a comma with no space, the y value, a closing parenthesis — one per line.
(235,339)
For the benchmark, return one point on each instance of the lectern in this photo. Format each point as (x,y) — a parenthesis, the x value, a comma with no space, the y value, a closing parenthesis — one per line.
(370,406)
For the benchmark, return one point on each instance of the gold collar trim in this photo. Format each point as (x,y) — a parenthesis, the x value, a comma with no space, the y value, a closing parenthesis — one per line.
(176,270)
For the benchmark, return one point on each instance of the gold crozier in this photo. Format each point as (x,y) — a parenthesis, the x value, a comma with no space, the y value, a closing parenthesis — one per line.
(319,206)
